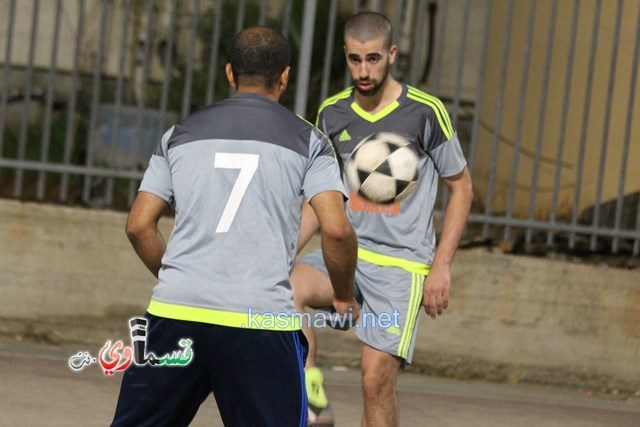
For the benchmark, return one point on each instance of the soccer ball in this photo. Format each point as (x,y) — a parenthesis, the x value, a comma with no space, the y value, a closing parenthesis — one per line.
(383,168)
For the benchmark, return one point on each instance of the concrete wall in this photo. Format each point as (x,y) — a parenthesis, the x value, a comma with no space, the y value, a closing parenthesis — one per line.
(505,310)
(67,261)
(539,312)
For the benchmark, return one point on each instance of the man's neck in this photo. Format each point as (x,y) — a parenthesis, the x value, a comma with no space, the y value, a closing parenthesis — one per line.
(388,93)
(257,90)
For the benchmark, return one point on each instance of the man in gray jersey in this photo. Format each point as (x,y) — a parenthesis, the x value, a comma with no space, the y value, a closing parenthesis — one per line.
(236,172)
(399,268)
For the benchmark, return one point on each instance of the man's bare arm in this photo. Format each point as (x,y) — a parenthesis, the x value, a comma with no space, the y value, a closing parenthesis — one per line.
(309,225)
(437,283)
(142,229)
(339,248)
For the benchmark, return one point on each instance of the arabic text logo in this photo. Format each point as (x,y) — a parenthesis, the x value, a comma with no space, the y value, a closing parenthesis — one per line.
(118,357)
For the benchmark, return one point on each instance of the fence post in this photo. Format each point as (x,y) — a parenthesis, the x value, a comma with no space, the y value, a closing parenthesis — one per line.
(304,62)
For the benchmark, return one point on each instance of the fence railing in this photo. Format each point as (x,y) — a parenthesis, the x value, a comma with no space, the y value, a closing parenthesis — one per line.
(543,93)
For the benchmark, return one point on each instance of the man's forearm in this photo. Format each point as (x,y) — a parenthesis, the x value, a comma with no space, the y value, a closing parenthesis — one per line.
(455,220)
(340,257)
(150,247)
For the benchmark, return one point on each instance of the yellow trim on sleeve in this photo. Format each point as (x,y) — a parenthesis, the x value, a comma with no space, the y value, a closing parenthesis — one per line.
(438,107)
(335,98)
(248,320)
(305,120)
(391,261)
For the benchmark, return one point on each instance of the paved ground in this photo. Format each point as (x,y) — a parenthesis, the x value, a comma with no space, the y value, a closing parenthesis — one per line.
(37,388)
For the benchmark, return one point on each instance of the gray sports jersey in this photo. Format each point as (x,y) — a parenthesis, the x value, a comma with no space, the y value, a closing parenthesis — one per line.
(237,172)
(402,233)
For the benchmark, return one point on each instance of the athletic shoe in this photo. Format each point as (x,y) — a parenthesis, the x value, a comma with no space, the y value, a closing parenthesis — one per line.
(320,414)
(320,417)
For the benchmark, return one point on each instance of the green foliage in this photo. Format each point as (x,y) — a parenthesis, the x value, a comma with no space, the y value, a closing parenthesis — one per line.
(200,75)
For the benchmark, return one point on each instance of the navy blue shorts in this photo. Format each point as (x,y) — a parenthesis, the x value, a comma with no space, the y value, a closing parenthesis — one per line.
(257,377)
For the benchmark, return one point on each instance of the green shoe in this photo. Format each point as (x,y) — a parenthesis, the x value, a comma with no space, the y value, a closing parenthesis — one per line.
(320,413)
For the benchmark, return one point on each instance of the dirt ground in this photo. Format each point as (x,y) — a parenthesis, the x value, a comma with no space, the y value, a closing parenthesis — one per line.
(74,333)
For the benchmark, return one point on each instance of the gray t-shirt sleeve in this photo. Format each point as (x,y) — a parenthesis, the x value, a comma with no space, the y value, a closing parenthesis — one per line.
(323,172)
(157,178)
(448,157)
(441,142)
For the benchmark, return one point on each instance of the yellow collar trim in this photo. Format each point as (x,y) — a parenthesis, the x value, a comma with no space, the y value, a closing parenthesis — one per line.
(377,116)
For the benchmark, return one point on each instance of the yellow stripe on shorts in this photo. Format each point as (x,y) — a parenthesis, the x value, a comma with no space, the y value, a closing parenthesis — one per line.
(415,300)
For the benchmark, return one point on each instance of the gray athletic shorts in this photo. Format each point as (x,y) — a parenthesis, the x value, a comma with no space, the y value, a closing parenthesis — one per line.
(391,298)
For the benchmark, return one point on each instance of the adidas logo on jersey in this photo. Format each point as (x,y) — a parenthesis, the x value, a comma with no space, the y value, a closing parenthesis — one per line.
(344,136)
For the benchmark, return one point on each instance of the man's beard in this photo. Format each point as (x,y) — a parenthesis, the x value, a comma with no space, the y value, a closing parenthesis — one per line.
(376,85)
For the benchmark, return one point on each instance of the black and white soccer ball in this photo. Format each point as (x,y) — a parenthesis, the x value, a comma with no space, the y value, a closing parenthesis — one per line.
(383,168)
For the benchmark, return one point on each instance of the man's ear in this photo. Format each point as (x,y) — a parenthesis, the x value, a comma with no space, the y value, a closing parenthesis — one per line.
(229,73)
(284,79)
(392,53)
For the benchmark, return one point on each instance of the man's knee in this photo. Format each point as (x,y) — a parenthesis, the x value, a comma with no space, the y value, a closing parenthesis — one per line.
(300,286)
(311,287)
(379,373)
(375,385)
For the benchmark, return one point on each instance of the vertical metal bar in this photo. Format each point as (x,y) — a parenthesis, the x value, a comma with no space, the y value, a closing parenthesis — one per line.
(480,87)
(6,72)
(585,123)
(242,6)
(304,62)
(186,95)
(563,121)
(286,18)
(24,126)
(71,108)
(215,49)
(439,55)
(95,98)
(396,29)
(347,75)
(460,66)
(542,116)
(636,243)
(376,5)
(417,47)
(168,64)
(524,82)
(239,24)
(141,107)
(442,24)
(118,98)
(627,141)
(607,119)
(498,119)
(328,50)
(46,133)
(262,16)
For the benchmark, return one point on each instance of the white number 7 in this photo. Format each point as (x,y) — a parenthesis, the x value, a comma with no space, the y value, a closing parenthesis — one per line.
(248,164)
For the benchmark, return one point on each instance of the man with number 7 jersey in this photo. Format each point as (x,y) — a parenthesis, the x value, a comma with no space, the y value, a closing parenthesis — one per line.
(236,172)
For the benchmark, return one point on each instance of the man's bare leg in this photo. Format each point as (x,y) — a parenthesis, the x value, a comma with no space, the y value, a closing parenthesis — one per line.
(379,376)
(312,288)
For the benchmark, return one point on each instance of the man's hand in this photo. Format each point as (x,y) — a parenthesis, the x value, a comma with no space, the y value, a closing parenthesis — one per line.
(436,291)
(349,308)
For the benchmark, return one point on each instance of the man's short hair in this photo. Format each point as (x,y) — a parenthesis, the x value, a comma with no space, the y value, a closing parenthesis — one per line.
(365,26)
(258,56)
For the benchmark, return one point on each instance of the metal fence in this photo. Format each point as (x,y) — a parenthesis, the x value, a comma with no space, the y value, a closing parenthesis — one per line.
(543,94)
